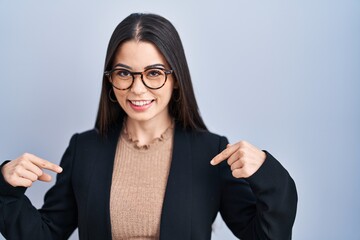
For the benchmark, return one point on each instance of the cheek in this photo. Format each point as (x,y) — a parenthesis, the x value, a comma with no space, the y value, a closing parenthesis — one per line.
(170,89)
(167,95)
(120,96)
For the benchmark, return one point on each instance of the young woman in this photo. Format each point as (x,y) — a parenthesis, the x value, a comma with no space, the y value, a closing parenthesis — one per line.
(149,169)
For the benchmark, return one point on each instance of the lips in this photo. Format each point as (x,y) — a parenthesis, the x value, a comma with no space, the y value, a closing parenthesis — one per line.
(140,105)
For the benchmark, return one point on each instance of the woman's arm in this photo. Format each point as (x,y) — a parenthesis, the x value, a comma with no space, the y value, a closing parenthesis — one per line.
(57,219)
(261,205)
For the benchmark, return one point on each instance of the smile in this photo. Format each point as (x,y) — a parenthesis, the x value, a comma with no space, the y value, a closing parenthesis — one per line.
(141,102)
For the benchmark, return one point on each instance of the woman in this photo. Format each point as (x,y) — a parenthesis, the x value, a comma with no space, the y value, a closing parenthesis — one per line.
(149,169)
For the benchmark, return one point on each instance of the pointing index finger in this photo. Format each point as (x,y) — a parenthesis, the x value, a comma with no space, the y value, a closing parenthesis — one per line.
(225,154)
(42,163)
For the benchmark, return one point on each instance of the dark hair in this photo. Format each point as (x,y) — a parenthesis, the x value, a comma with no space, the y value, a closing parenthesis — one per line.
(159,31)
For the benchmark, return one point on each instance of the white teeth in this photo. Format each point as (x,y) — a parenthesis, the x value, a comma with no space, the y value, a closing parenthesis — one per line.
(141,103)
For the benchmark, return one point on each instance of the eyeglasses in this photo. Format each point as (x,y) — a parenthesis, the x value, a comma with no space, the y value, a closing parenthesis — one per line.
(152,78)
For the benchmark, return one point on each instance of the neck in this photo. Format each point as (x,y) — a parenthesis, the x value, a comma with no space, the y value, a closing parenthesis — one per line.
(146,131)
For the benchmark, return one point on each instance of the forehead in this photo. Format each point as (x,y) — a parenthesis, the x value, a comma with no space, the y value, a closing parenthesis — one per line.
(138,55)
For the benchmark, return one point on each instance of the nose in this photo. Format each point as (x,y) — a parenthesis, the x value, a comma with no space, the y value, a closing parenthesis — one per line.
(138,86)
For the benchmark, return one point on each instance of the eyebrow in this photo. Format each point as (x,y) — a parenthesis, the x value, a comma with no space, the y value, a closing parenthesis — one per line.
(122,65)
(155,65)
(147,67)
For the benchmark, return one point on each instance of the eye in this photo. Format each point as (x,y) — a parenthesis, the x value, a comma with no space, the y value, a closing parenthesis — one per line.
(122,73)
(154,73)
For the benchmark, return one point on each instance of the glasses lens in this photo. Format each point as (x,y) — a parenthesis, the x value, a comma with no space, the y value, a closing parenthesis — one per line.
(121,78)
(154,78)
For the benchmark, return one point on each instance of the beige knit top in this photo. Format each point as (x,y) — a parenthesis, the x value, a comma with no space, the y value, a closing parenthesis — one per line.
(138,186)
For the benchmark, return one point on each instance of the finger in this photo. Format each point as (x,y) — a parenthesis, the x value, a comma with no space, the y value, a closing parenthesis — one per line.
(28,175)
(238,173)
(225,154)
(236,165)
(23,182)
(235,156)
(42,163)
(28,165)
(45,177)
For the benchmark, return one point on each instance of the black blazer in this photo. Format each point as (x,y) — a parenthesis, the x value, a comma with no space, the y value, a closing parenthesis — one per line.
(260,207)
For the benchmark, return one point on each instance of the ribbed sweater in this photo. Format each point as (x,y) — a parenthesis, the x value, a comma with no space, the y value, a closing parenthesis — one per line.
(138,186)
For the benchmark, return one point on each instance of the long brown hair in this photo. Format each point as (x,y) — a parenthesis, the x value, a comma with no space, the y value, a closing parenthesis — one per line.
(159,31)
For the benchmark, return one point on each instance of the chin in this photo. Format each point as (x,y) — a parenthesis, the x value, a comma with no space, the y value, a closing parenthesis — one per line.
(140,117)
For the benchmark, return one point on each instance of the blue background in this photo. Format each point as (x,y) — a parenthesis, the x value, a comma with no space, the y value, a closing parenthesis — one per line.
(284,75)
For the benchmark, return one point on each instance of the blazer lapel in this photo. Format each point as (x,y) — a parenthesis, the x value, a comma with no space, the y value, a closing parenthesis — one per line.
(99,225)
(176,212)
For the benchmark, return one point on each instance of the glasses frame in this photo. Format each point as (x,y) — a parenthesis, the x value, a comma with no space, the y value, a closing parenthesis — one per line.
(109,73)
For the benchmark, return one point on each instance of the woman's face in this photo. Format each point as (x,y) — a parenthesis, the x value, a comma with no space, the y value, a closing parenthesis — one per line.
(139,102)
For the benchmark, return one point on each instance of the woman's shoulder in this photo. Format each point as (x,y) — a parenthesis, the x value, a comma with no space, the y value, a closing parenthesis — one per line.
(93,136)
(90,133)
(206,134)
(87,134)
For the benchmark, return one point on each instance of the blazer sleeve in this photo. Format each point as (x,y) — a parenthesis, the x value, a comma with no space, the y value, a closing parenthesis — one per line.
(262,206)
(57,219)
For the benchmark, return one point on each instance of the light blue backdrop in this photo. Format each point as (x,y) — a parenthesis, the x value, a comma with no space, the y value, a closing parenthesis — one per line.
(284,75)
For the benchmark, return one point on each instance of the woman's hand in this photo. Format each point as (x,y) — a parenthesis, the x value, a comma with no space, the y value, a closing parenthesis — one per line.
(244,159)
(26,169)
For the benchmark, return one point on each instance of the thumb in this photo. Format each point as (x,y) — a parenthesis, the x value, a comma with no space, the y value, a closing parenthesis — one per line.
(45,177)
(239,173)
